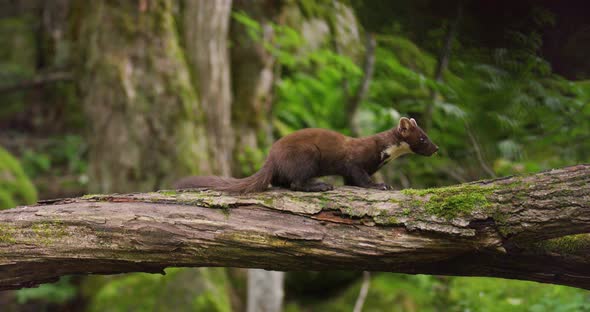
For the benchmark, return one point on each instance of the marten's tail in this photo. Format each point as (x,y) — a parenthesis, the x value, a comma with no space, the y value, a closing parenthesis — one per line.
(257,182)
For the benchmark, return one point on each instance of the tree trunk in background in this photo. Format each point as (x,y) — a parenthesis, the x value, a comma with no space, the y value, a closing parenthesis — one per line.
(143,113)
(206,28)
(265,290)
(148,127)
(252,81)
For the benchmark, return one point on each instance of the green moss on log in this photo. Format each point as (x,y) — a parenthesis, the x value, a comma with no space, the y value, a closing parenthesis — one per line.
(453,201)
(6,234)
(48,232)
(168,192)
(578,244)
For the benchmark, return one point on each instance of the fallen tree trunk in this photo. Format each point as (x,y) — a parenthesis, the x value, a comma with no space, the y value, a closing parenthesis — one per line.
(515,227)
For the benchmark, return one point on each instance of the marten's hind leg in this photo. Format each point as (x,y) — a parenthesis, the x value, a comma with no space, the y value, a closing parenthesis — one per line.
(296,167)
(311,186)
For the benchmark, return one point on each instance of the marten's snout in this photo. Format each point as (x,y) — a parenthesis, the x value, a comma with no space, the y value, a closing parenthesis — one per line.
(433,149)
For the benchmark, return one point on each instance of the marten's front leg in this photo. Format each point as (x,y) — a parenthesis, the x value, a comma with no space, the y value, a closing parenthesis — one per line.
(311,186)
(356,176)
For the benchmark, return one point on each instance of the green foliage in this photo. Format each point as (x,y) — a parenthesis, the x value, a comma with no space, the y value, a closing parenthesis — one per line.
(398,292)
(387,292)
(203,289)
(15,186)
(17,59)
(250,160)
(488,294)
(62,155)
(310,93)
(59,292)
(312,96)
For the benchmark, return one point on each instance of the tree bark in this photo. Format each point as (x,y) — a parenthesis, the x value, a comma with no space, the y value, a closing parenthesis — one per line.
(265,291)
(252,82)
(37,81)
(253,68)
(532,227)
(137,94)
(206,29)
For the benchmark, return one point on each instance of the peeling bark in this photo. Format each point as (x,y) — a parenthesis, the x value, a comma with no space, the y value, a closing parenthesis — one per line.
(514,227)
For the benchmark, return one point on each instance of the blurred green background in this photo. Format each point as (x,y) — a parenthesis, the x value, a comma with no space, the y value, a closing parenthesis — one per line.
(121,96)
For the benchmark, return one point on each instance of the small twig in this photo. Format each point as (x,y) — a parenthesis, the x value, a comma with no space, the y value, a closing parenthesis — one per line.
(404,181)
(336,46)
(37,81)
(478,153)
(441,66)
(455,175)
(360,301)
(368,68)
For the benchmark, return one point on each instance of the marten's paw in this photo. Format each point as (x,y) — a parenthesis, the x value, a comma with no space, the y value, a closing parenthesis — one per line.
(312,187)
(381,186)
(324,187)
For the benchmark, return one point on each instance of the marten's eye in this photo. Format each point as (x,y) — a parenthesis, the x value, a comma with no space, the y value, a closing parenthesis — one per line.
(422,140)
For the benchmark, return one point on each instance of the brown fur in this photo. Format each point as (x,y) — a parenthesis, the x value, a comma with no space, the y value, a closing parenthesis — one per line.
(297,158)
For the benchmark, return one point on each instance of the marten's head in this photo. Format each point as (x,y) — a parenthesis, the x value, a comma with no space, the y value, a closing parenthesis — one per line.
(408,131)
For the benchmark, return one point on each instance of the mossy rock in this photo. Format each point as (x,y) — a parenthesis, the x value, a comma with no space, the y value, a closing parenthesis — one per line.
(15,187)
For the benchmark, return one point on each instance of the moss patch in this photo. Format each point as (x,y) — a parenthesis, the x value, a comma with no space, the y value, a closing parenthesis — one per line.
(168,193)
(47,232)
(92,196)
(455,205)
(6,234)
(578,244)
(451,202)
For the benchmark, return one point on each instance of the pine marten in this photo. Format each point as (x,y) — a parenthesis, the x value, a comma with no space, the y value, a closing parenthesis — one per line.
(296,159)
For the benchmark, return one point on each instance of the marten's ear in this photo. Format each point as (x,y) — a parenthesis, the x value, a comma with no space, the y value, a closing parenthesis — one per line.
(404,126)
(413,121)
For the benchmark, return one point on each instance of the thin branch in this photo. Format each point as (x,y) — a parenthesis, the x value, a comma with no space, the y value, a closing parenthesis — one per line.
(478,153)
(332,20)
(452,172)
(368,68)
(360,301)
(37,81)
(442,64)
